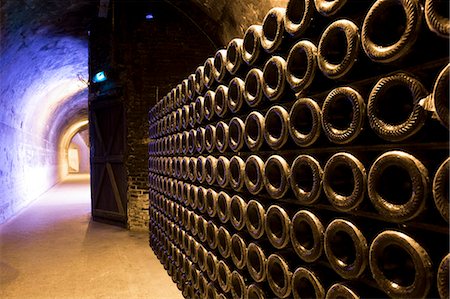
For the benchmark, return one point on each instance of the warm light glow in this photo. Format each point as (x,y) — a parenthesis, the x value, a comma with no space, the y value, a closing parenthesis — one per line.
(63,166)
(74,161)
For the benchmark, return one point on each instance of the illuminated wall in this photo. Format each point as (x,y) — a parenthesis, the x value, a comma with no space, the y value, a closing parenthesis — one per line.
(79,146)
(43,62)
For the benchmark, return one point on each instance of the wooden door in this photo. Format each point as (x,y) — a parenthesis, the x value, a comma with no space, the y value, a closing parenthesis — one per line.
(108,173)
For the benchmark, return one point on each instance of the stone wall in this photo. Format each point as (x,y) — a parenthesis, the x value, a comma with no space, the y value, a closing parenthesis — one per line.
(43,55)
(234,17)
(150,56)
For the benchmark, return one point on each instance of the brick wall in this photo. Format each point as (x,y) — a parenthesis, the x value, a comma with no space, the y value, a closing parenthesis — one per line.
(151,56)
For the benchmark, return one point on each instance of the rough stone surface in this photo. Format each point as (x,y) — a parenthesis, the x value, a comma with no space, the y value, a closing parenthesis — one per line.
(234,17)
(43,52)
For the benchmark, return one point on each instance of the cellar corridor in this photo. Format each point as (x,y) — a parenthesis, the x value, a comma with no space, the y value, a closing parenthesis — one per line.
(53,249)
(247,149)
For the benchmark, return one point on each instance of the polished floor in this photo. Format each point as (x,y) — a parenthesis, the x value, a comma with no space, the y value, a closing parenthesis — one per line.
(53,249)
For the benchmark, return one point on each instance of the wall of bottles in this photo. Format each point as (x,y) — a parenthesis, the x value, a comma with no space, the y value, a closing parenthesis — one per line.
(310,158)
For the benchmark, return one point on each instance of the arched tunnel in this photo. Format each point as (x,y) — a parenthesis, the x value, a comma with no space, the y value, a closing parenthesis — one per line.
(313,163)
(44,71)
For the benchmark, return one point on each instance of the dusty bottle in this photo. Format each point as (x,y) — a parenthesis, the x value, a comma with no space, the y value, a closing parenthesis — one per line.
(200,140)
(273,29)
(238,206)
(224,242)
(297,17)
(201,258)
(192,168)
(210,137)
(279,275)
(192,199)
(239,251)
(344,181)
(254,130)
(234,55)
(253,92)
(220,62)
(222,133)
(436,16)
(209,105)
(191,115)
(255,215)
(277,226)
(211,266)
(338,49)
(346,248)
(398,186)
(209,73)
(443,277)
(307,284)
(211,169)
(254,170)
(401,266)
(200,204)
(390,29)
(201,171)
(252,51)
(223,171)
(440,189)
(224,276)
(348,290)
(200,80)
(199,109)
(257,261)
(201,229)
(236,129)
(255,291)
(223,206)
(203,285)
(276,176)
(274,78)
(440,96)
(184,91)
(276,127)
(301,65)
(178,119)
(211,202)
(307,234)
(237,173)
(236,90)
(221,101)
(185,116)
(238,285)
(394,110)
(191,141)
(305,122)
(343,115)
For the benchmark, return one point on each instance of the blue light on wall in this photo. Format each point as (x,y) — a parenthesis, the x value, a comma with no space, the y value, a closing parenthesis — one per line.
(149,16)
(99,77)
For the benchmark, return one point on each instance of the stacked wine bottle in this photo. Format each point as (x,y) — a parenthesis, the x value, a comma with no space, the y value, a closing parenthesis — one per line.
(310,158)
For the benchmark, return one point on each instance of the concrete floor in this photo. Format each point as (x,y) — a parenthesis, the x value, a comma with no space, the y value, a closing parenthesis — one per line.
(53,249)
